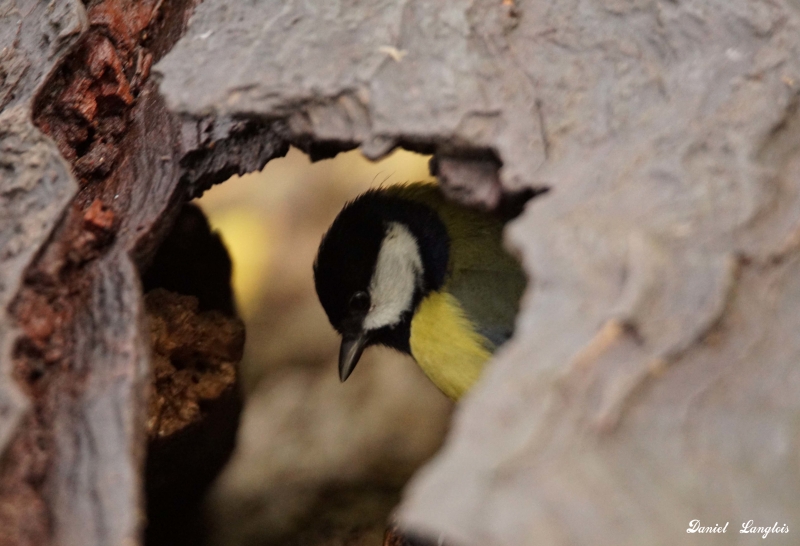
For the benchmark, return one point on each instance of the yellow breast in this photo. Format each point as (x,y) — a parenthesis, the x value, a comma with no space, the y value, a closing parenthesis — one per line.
(446,346)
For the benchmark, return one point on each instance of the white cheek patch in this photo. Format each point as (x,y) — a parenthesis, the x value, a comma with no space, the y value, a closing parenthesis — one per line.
(397,272)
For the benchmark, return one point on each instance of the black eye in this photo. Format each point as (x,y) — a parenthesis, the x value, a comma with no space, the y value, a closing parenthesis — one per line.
(359,302)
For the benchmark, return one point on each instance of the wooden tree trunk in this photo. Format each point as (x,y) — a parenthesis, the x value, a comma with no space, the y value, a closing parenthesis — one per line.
(653,376)
(94,172)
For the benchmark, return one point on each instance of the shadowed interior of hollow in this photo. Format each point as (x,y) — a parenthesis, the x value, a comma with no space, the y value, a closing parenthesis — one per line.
(316,459)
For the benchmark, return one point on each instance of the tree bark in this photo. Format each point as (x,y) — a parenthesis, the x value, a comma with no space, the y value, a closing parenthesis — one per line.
(94,171)
(652,379)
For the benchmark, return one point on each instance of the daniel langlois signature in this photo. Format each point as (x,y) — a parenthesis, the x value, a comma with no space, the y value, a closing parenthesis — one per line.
(747,527)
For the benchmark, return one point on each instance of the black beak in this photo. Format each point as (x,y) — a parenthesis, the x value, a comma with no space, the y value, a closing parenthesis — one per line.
(349,353)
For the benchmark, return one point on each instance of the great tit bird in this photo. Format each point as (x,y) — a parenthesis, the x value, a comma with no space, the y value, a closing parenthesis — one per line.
(402,267)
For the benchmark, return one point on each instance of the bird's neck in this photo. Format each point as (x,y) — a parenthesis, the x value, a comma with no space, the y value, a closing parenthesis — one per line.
(433,243)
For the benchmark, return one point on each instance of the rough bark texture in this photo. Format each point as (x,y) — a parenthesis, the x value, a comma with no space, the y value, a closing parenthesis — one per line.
(193,411)
(74,344)
(653,377)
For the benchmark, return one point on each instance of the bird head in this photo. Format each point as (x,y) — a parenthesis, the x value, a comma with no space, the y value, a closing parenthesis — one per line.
(377,261)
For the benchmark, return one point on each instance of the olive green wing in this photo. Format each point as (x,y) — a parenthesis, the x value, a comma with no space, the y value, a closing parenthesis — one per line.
(483,277)
(489,291)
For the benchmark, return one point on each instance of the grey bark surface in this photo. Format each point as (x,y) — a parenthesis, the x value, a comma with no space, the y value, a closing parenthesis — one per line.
(82,212)
(653,376)
(36,184)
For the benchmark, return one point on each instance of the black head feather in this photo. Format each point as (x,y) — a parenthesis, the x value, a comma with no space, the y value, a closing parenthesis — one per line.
(349,250)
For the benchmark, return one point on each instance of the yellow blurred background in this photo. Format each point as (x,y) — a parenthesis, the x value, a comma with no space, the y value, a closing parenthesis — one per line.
(317,462)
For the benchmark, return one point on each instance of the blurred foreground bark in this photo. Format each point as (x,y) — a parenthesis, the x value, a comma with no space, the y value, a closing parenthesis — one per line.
(92,179)
(653,377)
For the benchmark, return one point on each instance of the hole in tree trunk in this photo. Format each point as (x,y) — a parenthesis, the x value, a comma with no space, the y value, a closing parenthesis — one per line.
(315,460)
